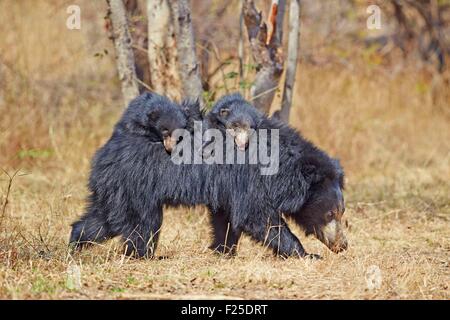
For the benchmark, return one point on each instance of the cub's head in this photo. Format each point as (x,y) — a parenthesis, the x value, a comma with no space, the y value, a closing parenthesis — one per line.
(232,113)
(322,213)
(155,117)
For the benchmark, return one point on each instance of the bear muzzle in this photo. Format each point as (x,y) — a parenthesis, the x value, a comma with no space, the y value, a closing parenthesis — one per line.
(169,143)
(332,235)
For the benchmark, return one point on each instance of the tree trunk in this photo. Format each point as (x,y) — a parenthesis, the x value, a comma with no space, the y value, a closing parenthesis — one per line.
(137,24)
(188,65)
(162,51)
(294,34)
(124,52)
(241,41)
(280,19)
(266,51)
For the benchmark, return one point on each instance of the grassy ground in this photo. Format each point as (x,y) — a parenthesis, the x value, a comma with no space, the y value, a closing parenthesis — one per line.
(58,103)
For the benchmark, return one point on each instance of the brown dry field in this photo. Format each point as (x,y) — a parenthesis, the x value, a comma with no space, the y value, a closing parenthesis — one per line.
(59,102)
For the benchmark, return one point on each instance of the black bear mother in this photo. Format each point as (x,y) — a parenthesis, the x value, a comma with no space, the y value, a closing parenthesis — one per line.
(307,185)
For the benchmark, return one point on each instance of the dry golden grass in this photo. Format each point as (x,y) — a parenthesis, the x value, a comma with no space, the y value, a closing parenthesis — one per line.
(58,103)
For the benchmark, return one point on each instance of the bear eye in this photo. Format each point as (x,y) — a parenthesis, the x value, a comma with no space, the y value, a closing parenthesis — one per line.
(224,112)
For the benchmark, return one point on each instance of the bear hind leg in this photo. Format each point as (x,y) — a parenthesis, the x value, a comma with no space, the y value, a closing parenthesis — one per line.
(141,235)
(88,230)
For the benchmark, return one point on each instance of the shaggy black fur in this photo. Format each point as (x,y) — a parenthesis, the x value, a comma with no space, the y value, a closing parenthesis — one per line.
(133,177)
(308,188)
(233,114)
(233,111)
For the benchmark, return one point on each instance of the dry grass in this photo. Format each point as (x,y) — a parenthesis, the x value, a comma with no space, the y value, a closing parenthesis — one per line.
(58,103)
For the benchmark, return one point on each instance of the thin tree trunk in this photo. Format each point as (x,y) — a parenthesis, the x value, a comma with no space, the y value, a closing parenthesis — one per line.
(280,18)
(162,51)
(266,51)
(293,46)
(241,41)
(137,24)
(189,68)
(204,60)
(124,53)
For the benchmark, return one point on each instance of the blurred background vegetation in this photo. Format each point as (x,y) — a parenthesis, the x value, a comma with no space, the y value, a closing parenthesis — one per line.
(372,97)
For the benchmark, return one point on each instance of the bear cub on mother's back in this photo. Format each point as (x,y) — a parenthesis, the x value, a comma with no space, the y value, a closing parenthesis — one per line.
(133,176)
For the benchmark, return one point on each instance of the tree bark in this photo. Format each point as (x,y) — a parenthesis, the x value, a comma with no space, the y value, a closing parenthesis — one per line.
(268,57)
(280,19)
(189,68)
(291,70)
(162,51)
(241,41)
(124,53)
(137,24)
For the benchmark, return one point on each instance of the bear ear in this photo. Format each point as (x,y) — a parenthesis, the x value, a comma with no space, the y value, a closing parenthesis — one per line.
(312,173)
(224,112)
(309,171)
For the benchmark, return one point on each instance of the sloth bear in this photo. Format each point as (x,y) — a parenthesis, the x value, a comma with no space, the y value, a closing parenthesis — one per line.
(308,187)
(232,114)
(133,176)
